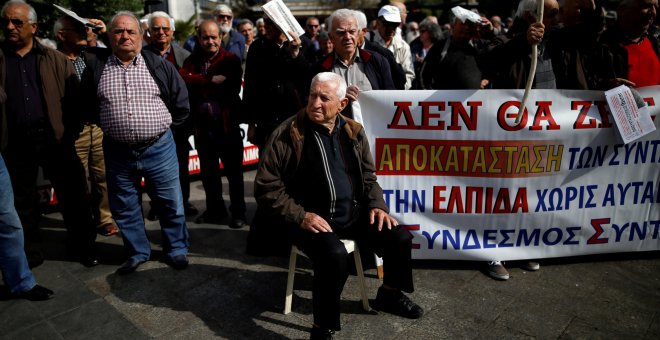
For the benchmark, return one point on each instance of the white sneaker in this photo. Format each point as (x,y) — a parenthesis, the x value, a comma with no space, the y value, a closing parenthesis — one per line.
(497,271)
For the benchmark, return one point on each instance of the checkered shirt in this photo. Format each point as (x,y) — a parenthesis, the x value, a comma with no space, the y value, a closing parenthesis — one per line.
(79,66)
(131,108)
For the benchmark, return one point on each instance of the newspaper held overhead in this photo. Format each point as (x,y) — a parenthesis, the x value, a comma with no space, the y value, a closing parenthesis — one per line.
(76,17)
(630,113)
(463,14)
(277,11)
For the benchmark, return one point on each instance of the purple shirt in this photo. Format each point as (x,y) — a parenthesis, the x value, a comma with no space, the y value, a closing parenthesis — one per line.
(131,108)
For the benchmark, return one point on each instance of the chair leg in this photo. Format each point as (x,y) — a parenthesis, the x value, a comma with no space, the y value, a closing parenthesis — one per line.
(361,281)
(288,300)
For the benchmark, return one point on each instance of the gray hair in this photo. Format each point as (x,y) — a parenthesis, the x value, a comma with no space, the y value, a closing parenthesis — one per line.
(434,29)
(57,26)
(161,14)
(222,8)
(260,22)
(344,14)
(125,14)
(32,14)
(332,77)
(361,19)
(526,6)
(244,22)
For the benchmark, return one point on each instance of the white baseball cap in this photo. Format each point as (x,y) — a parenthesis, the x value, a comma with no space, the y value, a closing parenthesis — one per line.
(390,13)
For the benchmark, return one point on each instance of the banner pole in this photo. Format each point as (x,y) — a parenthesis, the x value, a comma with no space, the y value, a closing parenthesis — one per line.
(532,66)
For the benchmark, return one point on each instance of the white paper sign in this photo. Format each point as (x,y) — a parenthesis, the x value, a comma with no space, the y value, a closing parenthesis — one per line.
(282,17)
(76,16)
(630,114)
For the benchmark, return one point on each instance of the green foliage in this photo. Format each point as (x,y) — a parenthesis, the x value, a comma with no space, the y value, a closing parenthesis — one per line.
(99,9)
(184,29)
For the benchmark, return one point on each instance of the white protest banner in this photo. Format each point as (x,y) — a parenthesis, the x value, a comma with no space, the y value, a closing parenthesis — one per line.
(474,185)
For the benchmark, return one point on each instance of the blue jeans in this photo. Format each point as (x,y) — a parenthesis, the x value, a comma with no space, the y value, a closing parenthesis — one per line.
(13,263)
(157,163)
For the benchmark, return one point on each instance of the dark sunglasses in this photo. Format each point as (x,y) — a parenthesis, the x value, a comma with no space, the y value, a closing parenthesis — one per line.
(16,22)
(157,29)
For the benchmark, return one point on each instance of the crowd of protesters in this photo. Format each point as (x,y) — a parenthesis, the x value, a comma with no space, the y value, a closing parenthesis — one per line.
(120,103)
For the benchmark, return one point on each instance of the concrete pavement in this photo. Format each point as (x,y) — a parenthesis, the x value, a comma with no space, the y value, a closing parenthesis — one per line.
(228,294)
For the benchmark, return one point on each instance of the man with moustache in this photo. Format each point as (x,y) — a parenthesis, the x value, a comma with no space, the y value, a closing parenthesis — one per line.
(214,77)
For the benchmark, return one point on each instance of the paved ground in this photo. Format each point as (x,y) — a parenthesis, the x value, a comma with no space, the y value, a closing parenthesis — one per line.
(227,294)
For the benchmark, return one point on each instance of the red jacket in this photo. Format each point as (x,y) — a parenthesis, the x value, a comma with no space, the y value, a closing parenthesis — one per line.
(202,91)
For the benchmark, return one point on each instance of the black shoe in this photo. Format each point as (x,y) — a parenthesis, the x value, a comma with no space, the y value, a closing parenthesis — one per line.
(189,209)
(321,334)
(37,293)
(179,262)
(397,303)
(151,215)
(129,266)
(34,258)
(212,218)
(89,261)
(238,223)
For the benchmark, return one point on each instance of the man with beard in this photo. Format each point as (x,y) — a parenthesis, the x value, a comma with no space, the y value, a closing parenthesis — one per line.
(231,41)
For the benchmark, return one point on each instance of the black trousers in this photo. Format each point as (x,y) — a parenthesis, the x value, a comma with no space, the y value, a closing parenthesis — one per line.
(27,150)
(229,147)
(182,154)
(330,263)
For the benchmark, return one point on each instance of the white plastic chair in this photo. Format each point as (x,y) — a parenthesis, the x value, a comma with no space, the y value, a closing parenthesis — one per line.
(351,247)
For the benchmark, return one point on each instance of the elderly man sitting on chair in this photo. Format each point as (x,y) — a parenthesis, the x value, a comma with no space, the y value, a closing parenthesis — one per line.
(317,174)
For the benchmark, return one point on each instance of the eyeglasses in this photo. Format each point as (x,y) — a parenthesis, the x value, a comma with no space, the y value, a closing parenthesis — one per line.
(157,29)
(313,26)
(390,24)
(223,16)
(18,23)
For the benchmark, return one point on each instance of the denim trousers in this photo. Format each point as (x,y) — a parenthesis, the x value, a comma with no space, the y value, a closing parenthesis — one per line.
(126,165)
(13,263)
